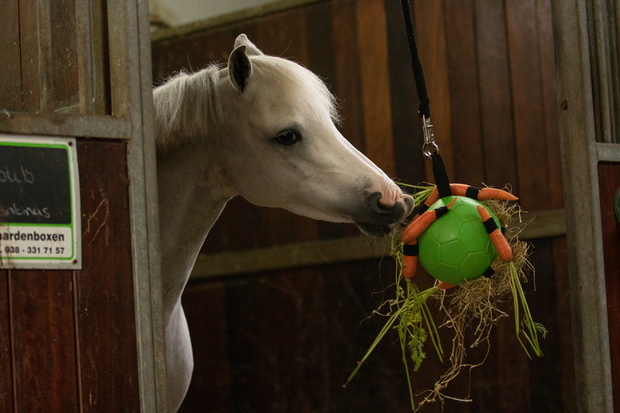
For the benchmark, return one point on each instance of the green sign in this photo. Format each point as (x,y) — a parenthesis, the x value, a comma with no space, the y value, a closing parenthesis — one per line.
(39,203)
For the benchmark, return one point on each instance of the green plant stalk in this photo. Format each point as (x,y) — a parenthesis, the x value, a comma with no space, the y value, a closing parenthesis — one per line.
(417,300)
(519,300)
(374,344)
(414,297)
(433,331)
(428,319)
(403,346)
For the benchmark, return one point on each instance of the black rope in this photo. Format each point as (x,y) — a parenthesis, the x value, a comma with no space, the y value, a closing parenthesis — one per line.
(424,108)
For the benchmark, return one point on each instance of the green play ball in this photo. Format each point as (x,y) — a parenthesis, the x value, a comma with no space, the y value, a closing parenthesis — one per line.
(456,246)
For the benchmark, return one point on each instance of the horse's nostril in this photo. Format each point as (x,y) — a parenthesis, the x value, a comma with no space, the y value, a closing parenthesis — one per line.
(384,207)
(407,202)
(392,212)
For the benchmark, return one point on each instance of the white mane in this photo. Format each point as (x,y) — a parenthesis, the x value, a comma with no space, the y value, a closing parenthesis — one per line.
(185,106)
(189,103)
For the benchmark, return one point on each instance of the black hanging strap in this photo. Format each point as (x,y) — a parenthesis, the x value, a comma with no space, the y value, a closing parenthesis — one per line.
(424,108)
(441,176)
(429,149)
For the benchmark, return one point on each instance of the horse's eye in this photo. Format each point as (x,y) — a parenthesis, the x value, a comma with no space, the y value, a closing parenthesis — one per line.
(288,138)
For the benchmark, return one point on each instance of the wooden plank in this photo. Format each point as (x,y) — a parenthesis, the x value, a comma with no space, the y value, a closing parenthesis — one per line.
(204,306)
(105,301)
(607,152)
(6,371)
(319,42)
(375,83)
(284,37)
(243,16)
(464,92)
(86,56)
(546,50)
(29,44)
(193,53)
(92,126)
(46,57)
(609,185)
(528,106)
(594,389)
(544,224)
(546,385)
(406,126)
(516,379)
(297,335)
(64,65)
(44,352)
(496,106)
(347,83)
(288,256)
(562,312)
(410,165)
(119,44)
(101,58)
(218,45)
(10,81)
(433,50)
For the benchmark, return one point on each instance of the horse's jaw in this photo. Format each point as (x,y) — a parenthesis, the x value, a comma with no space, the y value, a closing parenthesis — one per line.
(375,230)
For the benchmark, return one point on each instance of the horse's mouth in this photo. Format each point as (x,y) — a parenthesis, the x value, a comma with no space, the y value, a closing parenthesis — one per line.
(374,230)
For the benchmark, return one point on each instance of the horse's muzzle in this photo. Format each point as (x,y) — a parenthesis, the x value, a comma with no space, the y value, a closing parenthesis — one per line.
(379,219)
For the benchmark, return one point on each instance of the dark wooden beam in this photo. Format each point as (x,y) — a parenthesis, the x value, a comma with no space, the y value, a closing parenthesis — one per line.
(544,224)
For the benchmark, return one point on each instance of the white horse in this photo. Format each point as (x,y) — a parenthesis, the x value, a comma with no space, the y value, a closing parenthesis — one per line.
(263,128)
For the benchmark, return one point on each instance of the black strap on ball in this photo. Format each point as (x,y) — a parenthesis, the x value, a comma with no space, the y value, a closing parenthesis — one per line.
(411,250)
(490,225)
(441,176)
(441,211)
(422,208)
(472,192)
(488,272)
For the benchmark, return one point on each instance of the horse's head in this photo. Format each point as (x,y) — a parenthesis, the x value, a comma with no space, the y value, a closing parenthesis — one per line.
(279,146)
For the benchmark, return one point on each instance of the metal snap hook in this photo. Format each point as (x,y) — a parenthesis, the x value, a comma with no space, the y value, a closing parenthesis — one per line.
(429,146)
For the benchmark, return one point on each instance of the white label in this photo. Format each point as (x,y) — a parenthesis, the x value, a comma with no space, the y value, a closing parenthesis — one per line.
(43,243)
(39,203)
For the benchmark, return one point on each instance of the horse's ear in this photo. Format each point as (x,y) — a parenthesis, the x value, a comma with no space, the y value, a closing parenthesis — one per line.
(251,49)
(239,68)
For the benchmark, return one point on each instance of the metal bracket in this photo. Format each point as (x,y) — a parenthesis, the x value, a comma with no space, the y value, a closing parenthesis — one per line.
(429,146)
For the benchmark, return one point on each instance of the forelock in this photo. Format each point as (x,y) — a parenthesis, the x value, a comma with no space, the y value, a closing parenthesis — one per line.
(283,71)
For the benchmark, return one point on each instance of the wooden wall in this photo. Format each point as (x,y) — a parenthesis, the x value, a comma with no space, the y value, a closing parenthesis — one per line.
(609,185)
(68,338)
(285,341)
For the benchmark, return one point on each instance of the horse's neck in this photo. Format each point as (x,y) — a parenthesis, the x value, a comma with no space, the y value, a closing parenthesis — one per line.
(192,194)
